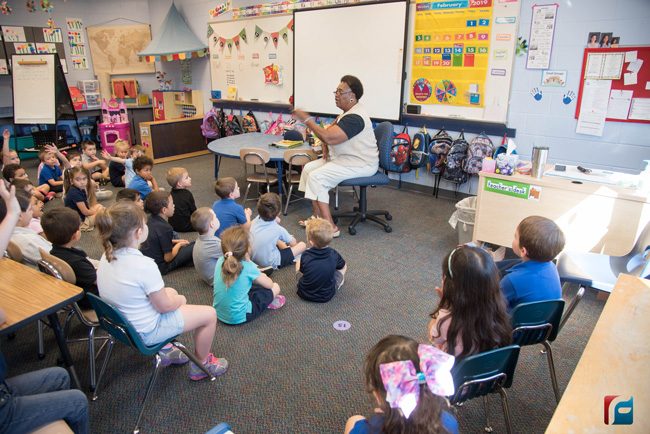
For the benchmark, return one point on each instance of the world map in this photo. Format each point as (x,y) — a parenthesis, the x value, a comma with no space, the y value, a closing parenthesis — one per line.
(114,49)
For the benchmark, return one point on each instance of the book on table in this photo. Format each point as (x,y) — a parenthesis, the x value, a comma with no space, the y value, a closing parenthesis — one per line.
(287,143)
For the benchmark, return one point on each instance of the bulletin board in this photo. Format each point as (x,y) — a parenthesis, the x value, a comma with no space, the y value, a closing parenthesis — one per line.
(252,59)
(640,90)
(461,58)
(34,40)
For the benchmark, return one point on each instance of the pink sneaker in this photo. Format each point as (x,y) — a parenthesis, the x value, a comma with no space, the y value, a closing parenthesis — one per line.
(278,302)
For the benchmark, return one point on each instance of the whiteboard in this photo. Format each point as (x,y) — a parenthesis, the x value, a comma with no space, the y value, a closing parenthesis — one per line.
(33,89)
(503,38)
(366,41)
(243,66)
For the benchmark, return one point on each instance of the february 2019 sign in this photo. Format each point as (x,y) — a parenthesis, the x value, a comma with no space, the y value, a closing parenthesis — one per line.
(520,190)
(450,52)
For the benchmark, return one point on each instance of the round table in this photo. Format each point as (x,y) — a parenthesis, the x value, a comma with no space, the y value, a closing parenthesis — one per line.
(229,147)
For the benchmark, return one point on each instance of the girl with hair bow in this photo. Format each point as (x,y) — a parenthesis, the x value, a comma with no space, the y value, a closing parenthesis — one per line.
(409,382)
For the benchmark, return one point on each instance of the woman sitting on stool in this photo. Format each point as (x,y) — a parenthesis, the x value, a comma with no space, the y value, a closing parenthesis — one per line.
(349,149)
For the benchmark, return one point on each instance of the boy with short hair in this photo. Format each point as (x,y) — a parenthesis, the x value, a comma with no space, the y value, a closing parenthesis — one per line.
(207,247)
(179,180)
(229,212)
(25,238)
(116,168)
(534,277)
(62,227)
(167,252)
(271,244)
(143,167)
(132,153)
(9,156)
(130,194)
(323,269)
(89,160)
(51,173)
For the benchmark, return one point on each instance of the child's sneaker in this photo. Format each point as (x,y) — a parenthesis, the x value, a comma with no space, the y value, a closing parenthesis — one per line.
(171,355)
(216,366)
(277,302)
(340,283)
(49,196)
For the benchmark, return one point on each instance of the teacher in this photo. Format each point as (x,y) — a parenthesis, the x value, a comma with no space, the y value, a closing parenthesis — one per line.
(349,149)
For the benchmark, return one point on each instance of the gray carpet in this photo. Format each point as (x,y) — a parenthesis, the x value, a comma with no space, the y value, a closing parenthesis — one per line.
(290,370)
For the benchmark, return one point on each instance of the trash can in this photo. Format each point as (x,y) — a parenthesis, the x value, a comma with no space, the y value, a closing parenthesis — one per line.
(463,219)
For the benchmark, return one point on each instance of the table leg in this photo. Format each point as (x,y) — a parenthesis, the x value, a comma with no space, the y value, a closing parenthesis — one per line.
(63,346)
(280,179)
(217,161)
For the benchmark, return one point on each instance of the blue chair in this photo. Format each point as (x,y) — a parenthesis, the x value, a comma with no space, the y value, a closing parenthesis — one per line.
(600,272)
(384,136)
(121,329)
(484,373)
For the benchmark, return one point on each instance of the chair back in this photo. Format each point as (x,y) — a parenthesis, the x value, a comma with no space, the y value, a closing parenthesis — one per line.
(254,156)
(297,158)
(536,322)
(483,373)
(384,136)
(53,266)
(14,253)
(119,327)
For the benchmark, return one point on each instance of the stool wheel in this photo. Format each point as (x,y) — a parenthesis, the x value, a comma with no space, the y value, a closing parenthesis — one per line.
(352,231)
(389,217)
(388,229)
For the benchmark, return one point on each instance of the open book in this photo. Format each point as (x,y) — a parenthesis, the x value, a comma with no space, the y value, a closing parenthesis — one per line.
(287,143)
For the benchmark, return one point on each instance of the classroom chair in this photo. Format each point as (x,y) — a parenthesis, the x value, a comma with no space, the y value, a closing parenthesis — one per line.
(120,329)
(13,252)
(539,322)
(295,158)
(601,271)
(484,373)
(59,269)
(384,136)
(257,158)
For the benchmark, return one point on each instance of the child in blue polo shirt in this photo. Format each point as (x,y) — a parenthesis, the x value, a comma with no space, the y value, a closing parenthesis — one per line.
(140,182)
(228,211)
(272,245)
(534,277)
(51,173)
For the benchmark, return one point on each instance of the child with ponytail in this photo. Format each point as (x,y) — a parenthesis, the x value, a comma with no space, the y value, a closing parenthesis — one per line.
(409,382)
(241,291)
(133,284)
(80,196)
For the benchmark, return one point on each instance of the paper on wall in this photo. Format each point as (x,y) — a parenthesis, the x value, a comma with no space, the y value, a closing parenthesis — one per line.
(594,65)
(593,108)
(629,78)
(640,109)
(612,66)
(630,56)
(647,85)
(635,66)
(619,104)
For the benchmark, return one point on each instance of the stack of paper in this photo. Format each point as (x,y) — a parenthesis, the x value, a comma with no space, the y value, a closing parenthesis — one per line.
(288,143)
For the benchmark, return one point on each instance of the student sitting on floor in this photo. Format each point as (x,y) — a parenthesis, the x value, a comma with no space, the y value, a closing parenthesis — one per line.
(11,172)
(62,227)
(51,173)
(97,167)
(80,196)
(389,370)
(241,291)
(26,239)
(143,176)
(127,161)
(8,156)
(323,269)
(534,277)
(116,168)
(471,316)
(130,194)
(207,247)
(272,245)
(133,284)
(179,180)
(161,245)
(228,211)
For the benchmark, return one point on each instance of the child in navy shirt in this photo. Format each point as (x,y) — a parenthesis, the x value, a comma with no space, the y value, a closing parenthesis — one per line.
(51,173)
(80,196)
(179,180)
(534,277)
(272,245)
(323,269)
(228,211)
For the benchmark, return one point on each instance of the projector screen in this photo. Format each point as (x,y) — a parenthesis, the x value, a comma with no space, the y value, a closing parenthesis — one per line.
(366,41)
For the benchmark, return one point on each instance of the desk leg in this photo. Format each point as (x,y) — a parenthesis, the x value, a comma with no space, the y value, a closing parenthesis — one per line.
(280,179)
(63,346)
(217,162)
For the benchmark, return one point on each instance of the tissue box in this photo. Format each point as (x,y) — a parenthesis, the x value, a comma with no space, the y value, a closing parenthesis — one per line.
(506,164)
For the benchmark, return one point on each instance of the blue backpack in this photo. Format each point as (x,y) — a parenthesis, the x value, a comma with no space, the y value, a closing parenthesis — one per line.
(420,149)
(439,147)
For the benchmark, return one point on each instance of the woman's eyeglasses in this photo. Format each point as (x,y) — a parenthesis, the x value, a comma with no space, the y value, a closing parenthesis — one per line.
(341,91)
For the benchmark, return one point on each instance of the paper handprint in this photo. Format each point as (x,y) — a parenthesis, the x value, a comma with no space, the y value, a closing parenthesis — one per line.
(537,94)
(568,97)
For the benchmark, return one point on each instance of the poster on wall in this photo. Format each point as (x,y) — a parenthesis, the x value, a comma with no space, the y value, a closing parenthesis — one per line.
(542,29)
(450,53)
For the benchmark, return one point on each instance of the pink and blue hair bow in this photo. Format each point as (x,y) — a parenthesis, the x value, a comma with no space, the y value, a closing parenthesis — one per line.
(402,381)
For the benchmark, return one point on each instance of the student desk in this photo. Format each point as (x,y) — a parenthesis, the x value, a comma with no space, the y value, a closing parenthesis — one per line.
(27,295)
(616,361)
(230,146)
(595,217)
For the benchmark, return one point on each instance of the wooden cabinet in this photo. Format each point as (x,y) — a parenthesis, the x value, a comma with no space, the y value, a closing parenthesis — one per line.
(173,139)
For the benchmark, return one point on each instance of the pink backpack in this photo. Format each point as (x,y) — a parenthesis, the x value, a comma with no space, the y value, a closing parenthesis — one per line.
(277,126)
